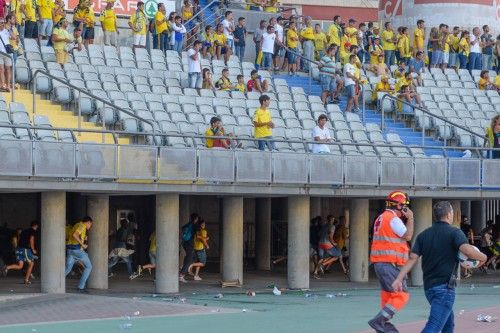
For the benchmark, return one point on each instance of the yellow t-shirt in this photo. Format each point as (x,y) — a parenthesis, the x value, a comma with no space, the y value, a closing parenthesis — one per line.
(404,46)
(80,13)
(59,13)
(138,20)
(344,50)
(497,81)
(402,82)
(464,47)
(82,231)
(388,45)
(307,33)
(89,18)
(333,35)
(12,39)
(320,41)
(453,42)
(220,38)
(61,33)
(187,13)
(15,6)
(45,8)
(483,84)
(272,6)
(30,11)
(67,231)
(108,19)
(289,42)
(198,244)
(375,51)
(240,87)
(208,133)
(418,39)
(163,26)
(152,242)
(262,116)
(351,34)
(381,86)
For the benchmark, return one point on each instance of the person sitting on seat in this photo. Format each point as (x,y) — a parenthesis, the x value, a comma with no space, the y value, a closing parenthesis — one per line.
(382,86)
(224,83)
(401,70)
(256,82)
(379,68)
(216,129)
(485,83)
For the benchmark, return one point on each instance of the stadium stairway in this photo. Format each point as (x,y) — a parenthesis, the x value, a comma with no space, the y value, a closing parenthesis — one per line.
(60,118)
(408,135)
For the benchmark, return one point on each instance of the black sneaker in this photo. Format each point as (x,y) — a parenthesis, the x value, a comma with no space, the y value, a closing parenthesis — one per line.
(4,270)
(83,291)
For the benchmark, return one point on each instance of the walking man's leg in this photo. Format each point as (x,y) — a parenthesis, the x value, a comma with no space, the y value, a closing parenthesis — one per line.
(84,258)
(441,318)
(70,261)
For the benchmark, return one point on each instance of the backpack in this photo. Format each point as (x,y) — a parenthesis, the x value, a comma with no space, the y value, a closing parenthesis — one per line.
(187,232)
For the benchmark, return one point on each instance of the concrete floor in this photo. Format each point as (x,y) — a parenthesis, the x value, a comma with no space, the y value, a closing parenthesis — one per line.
(195,308)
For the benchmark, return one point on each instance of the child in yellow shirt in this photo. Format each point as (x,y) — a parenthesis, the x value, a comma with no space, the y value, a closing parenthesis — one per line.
(240,85)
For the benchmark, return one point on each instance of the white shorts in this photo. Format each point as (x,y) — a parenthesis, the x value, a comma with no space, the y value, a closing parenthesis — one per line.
(4,60)
(110,38)
(139,40)
(446,57)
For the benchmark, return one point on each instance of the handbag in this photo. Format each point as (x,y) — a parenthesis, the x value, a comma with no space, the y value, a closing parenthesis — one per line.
(8,48)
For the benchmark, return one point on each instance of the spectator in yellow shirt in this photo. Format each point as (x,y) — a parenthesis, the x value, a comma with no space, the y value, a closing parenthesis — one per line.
(404,45)
(59,11)
(453,40)
(152,255)
(485,83)
(272,6)
(334,31)
(389,39)
(307,36)
(319,42)
(45,9)
(162,28)
(60,39)
(138,24)
(221,45)
(262,121)
(376,51)
(292,42)
(351,32)
(200,246)
(30,24)
(88,31)
(418,37)
(464,49)
(109,24)
(382,86)
(240,85)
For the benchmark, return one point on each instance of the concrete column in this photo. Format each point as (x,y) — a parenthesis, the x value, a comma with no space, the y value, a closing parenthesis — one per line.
(358,239)
(298,242)
(478,216)
(422,212)
(167,244)
(53,221)
(98,210)
(232,239)
(263,234)
(457,212)
(315,207)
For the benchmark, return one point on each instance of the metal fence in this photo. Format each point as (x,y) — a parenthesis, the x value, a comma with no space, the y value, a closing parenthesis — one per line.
(112,162)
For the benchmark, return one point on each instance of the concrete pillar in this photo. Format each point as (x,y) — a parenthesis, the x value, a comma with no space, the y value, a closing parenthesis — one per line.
(478,216)
(53,221)
(315,207)
(422,212)
(167,245)
(358,239)
(298,242)
(98,210)
(232,239)
(457,212)
(263,234)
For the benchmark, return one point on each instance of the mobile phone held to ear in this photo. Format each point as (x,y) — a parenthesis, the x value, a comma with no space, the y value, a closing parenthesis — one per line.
(405,209)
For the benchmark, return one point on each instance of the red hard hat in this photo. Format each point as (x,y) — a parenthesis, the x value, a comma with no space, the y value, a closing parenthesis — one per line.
(398,197)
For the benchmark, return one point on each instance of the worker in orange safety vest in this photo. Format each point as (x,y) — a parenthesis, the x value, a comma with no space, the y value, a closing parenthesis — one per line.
(389,252)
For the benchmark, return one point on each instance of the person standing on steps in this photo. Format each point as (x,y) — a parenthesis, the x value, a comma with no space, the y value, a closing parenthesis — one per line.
(187,237)
(389,252)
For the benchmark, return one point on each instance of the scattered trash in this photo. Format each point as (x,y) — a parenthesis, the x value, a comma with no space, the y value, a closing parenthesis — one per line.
(486,318)
(330,296)
(244,310)
(472,287)
(219,296)
(232,283)
(308,295)
(461,312)
(496,287)
(217,310)
(194,293)
(250,293)
(137,313)
(136,298)
(341,295)
(182,300)
(276,291)
(126,326)
(33,330)
(154,295)
(467,154)
(271,285)
(167,299)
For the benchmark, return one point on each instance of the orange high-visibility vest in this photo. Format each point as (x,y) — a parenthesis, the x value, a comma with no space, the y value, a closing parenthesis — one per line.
(386,245)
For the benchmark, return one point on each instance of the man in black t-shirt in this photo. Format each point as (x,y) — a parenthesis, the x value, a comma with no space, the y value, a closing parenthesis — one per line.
(438,246)
(25,252)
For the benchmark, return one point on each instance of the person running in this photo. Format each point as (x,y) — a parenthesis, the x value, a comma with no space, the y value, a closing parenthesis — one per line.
(75,251)
(200,246)
(25,252)
(389,252)
(120,251)
(438,246)
(188,244)
(152,256)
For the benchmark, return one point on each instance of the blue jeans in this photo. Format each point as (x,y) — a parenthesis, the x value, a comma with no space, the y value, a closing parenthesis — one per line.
(475,61)
(240,52)
(463,60)
(363,56)
(441,318)
(73,256)
(267,61)
(390,57)
(270,144)
(178,46)
(487,62)
(308,53)
(127,260)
